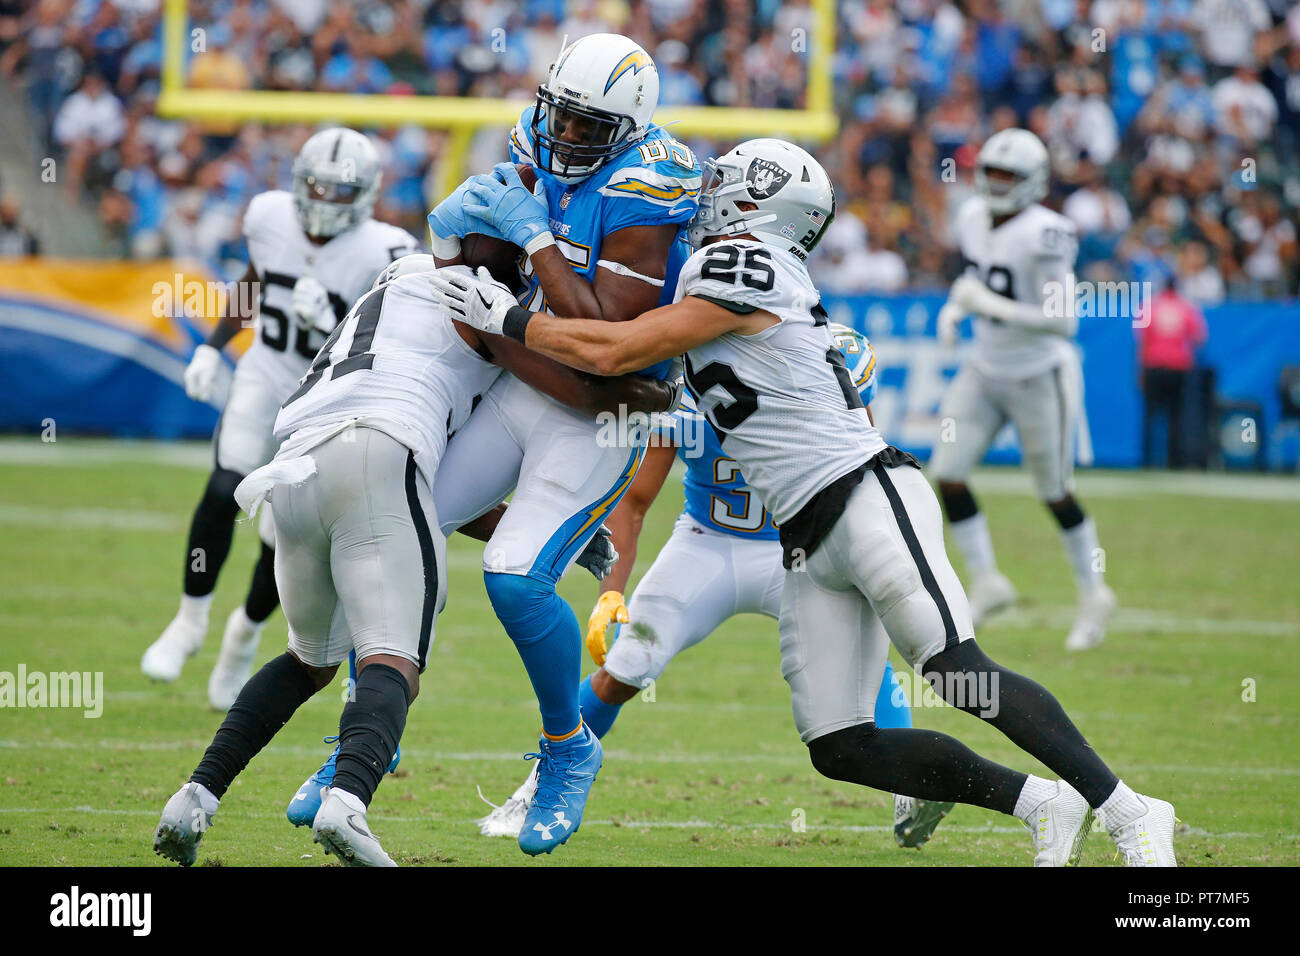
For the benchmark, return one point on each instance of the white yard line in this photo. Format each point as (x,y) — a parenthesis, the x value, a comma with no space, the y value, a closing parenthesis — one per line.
(794,758)
(74,451)
(381,817)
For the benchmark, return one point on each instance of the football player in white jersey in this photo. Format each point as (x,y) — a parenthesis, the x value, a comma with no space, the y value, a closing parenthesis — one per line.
(859,524)
(722,559)
(360,559)
(311,253)
(1023,369)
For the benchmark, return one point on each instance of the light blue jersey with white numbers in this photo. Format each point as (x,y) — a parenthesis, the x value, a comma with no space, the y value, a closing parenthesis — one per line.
(716,493)
(654,182)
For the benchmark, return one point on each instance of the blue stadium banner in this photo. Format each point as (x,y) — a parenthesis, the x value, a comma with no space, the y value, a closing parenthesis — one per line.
(101,347)
(1249,344)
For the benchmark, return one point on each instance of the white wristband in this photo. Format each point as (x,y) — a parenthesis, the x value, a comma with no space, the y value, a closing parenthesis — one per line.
(539,241)
(445,248)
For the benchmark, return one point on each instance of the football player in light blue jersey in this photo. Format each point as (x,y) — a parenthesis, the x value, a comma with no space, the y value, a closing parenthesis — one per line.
(723,559)
(601,231)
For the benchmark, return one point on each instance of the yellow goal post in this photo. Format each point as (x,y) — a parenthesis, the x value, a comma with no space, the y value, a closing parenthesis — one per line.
(462,116)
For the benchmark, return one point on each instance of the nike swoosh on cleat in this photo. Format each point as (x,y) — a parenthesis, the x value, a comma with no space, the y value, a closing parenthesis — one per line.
(364,833)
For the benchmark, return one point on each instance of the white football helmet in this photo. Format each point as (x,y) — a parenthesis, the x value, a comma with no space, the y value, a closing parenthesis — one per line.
(610,87)
(792,197)
(1021,153)
(336,180)
(405,266)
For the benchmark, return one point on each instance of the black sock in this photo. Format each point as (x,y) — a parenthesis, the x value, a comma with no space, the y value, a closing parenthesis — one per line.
(370,729)
(924,764)
(211,531)
(958,505)
(1025,711)
(263,596)
(1068,515)
(264,705)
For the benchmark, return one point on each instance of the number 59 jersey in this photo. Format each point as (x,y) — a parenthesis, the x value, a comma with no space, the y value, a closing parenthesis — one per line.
(282,254)
(397,363)
(782,402)
(1029,258)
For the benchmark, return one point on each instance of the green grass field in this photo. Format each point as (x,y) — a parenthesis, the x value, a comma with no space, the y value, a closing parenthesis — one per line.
(711,771)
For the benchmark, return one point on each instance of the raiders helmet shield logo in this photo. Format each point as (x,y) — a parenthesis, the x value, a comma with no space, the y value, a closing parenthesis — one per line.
(765,178)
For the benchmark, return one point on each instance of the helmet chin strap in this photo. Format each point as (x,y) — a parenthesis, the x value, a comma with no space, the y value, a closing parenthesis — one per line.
(746,223)
(742,226)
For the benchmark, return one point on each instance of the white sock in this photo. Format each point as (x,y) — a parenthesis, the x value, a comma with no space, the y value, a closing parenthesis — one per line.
(207,799)
(1035,791)
(1121,807)
(1084,554)
(976,547)
(247,622)
(527,788)
(350,800)
(194,610)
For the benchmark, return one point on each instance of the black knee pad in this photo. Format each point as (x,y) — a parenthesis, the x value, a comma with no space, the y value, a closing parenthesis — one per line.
(1068,514)
(958,505)
(219,496)
(961,657)
(838,754)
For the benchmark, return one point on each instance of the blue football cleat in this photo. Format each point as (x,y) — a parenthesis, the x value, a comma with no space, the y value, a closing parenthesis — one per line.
(565,773)
(305,803)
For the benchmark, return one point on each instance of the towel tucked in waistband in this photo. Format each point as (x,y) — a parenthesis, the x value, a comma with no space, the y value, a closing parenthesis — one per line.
(254,489)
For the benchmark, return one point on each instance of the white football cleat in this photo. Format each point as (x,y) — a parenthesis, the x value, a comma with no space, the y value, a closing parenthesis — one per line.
(508,819)
(989,594)
(1148,840)
(340,827)
(166,656)
(185,818)
(1095,608)
(915,820)
(235,662)
(1059,825)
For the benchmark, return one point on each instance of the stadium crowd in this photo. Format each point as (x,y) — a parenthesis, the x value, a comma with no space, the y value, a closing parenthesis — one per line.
(1173,125)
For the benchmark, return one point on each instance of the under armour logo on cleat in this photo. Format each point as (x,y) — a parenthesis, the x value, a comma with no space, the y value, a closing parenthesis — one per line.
(545,828)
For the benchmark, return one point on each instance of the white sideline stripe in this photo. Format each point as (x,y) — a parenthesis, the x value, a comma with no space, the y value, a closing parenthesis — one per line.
(1143,484)
(630,756)
(666,824)
(76,451)
(1140,619)
(113,519)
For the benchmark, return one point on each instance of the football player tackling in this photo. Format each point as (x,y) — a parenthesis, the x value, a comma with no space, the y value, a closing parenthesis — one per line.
(859,525)
(360,559)
(311,254)
(722,559)
(1023,369)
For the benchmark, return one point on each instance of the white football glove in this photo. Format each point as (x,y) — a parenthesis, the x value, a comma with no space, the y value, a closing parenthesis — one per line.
(201,373)
(970,294)
(950,317)
(478,300)
(311,303)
